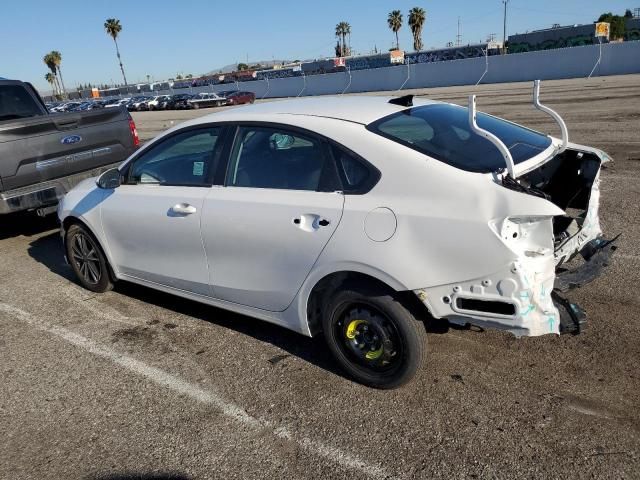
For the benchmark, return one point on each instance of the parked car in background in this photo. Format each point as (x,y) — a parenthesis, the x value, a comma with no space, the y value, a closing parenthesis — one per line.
(352,216)
(154,102)
(43,155)
(166,102)
(181,101)
(137,103)
(119,103)
(237,97)
(64,107)
(90,105)
(205,100)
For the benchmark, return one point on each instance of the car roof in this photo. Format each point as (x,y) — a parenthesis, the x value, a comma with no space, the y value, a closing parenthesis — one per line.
(362,109)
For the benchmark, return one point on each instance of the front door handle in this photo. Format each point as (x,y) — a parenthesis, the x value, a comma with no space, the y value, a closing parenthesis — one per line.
(184,209)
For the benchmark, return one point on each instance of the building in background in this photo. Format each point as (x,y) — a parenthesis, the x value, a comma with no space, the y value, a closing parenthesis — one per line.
(565,36)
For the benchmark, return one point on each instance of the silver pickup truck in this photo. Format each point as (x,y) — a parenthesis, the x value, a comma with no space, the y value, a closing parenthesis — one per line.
(43,155)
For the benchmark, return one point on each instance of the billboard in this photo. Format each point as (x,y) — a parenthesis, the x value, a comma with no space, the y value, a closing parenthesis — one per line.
(339,62)
(603,29)
(396,56)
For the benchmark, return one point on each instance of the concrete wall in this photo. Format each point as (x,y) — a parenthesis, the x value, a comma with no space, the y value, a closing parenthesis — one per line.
(617,59)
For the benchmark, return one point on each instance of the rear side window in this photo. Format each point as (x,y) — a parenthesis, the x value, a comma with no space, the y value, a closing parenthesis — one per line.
(355,175)
(15,102)
(442,132)
(265,157)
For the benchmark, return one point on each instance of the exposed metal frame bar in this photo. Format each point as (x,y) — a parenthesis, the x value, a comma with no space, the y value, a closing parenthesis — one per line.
(555,115)
(506,154)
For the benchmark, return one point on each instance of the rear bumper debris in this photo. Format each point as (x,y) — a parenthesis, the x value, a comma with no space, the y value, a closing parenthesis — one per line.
(524,298)
(597,255)
(572,317)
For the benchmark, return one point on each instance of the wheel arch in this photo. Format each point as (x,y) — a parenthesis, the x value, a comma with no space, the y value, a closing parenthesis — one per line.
(70,220)
(317,289)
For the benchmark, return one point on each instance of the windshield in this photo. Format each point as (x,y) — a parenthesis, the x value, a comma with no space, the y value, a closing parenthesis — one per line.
(443,132)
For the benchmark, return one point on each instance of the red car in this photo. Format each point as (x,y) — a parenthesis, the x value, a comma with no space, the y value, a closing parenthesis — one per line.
(238,97)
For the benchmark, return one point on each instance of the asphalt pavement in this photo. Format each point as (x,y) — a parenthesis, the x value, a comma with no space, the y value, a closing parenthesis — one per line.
(139,384)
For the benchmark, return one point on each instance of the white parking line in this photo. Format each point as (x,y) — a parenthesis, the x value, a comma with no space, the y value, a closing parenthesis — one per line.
(195,392)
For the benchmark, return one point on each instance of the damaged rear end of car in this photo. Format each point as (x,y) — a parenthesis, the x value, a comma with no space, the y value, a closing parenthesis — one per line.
(550,230)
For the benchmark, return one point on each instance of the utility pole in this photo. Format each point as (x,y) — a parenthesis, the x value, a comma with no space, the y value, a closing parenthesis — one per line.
(459,35)
(504,28)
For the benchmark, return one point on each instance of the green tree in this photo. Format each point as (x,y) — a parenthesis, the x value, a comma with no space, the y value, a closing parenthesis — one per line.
(178,77)
(113,28)
(628,13)
(243,66)
(188,75)
(394,20)
(417,17)
(618,24)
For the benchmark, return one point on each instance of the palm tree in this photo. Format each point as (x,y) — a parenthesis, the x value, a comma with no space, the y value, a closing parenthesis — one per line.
(417,16)
(342,30)
(394,20)
(346,29)
(49,61)
(113,28)
(56,56)
(52,81)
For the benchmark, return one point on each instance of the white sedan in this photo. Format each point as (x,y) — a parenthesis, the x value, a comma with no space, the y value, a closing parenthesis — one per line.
(351,216)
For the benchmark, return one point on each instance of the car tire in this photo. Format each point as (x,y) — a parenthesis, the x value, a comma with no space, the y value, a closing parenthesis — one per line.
(87,259)
(373,336)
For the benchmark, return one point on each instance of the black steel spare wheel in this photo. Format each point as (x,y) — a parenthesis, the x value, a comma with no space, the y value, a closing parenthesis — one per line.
(369,337)
(373,336)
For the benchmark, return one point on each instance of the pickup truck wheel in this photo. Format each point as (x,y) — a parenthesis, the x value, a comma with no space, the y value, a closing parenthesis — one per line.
(374,338)
(87,259)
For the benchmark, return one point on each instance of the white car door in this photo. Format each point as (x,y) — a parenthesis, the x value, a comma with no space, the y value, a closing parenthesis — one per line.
(265,228)
(152,221)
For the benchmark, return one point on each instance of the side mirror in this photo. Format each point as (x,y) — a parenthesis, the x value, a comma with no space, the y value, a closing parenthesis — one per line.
(109,179)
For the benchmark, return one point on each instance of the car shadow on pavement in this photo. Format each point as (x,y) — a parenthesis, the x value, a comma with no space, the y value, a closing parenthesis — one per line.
(48,251)
(25,224)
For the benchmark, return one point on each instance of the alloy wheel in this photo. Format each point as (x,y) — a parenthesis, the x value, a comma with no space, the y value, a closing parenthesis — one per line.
(84,253)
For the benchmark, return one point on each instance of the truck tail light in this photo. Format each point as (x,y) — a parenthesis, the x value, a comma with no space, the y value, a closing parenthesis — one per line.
(134,133)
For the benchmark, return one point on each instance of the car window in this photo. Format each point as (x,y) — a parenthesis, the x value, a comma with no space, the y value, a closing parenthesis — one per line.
(15,102)
(275,158)
(443,133)
(355,174)
(182,159)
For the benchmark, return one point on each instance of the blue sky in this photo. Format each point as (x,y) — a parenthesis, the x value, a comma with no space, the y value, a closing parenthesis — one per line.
(162,38)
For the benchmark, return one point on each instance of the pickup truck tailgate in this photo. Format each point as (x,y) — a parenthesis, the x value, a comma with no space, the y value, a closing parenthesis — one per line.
(47,147)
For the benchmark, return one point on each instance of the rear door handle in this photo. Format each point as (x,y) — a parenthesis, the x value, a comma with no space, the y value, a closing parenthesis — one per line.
(184,209)
(310,222)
